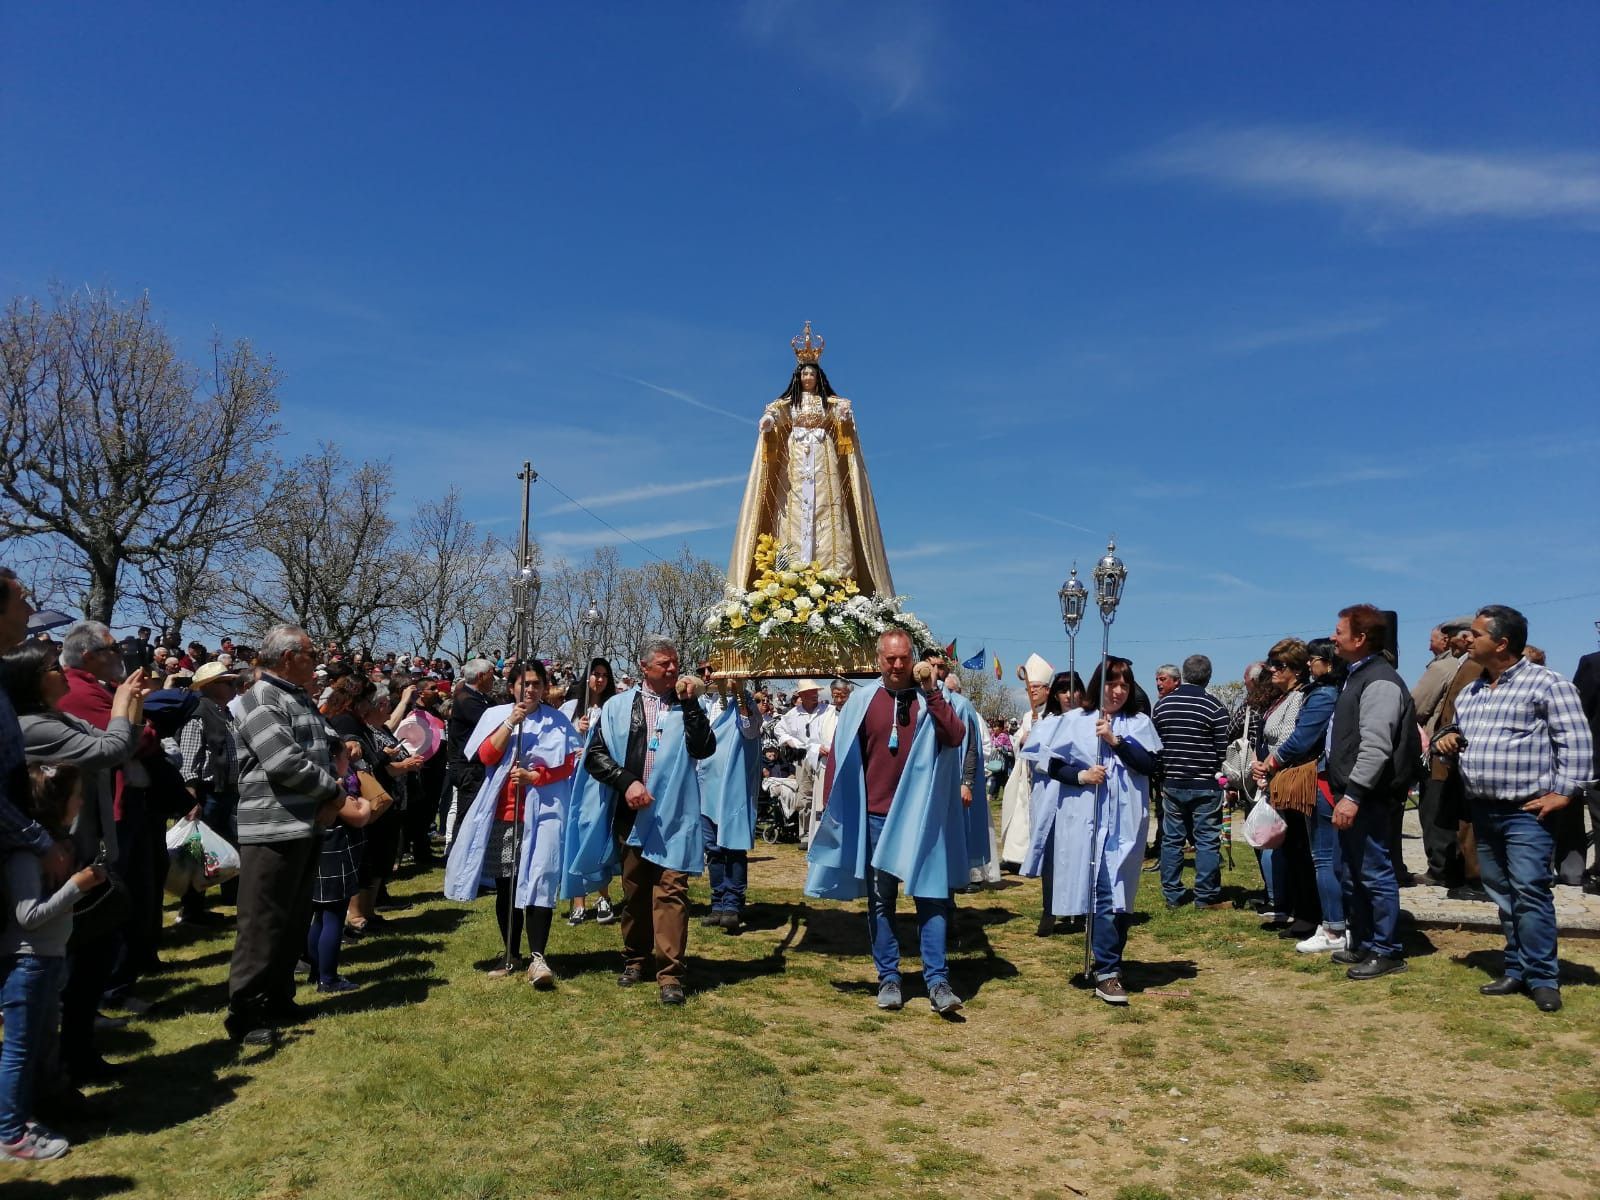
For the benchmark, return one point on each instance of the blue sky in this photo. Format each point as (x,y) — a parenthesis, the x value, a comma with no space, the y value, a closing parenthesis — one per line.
(1301,303)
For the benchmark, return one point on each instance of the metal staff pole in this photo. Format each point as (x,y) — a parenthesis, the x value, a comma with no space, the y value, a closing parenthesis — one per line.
(1074,600)
(525,594)
(1109,576)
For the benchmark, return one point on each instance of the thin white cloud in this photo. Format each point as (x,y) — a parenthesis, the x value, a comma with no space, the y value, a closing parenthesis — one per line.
(1300,334)
(1039,516)
(1386,181)
(648,491)
(931,550)
(604,536)
(884,56)
(676,394)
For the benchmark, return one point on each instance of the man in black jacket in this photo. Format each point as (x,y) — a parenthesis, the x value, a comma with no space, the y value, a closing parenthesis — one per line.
(467,706)
(655,900)
(1587,680)
(1373,752)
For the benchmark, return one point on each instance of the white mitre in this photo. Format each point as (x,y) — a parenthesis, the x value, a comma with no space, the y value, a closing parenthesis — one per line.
(1037,670)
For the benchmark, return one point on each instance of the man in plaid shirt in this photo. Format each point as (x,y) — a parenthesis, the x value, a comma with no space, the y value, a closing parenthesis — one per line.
(1525,751)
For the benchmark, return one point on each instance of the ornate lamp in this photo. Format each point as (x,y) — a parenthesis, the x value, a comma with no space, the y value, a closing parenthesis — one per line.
(590,623)
(1074,599)
(1109,576)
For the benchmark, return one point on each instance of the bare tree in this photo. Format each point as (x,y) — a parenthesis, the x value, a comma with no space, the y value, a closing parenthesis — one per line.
(990,696)
(114,447)
(327,557)
(452,576)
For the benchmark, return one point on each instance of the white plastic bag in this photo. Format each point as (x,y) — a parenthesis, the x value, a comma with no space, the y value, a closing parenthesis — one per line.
(198,857)
(1264,828)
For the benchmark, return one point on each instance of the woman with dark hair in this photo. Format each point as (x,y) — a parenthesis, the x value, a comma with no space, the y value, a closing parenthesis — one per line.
(1245,730)
(1090,821)
(1316,671)
(1284,742)
(33,679)
(531,752)
(1065,695)
(582,710)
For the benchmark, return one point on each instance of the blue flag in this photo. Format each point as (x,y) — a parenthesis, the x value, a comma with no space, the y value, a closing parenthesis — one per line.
(976,662)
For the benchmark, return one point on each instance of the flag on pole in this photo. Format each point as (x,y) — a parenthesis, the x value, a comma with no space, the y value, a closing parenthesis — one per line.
(997,666)
(977,662)
(950,650)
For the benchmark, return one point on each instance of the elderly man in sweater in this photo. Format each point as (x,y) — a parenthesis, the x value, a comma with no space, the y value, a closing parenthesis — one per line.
(287,793)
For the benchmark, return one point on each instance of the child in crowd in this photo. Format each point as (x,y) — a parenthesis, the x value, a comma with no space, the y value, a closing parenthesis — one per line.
(338,868)
(33,948)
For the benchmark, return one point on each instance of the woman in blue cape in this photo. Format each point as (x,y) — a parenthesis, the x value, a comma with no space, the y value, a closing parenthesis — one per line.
(531,752)
(728,783)
(1091,815)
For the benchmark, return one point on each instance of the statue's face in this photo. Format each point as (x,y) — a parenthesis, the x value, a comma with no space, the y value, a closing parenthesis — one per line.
(808,378)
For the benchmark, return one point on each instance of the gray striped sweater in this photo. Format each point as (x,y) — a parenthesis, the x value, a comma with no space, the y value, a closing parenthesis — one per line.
(285,770)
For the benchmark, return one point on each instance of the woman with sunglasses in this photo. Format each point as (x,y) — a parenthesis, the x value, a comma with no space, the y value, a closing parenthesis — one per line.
(1311,848)
(1090,824)
(1293,733)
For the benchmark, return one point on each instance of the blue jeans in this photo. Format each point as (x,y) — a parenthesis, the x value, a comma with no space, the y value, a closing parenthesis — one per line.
(30,998)
(1108,936)
(883,890)
(1329,862)
(1514,854)
(1371,893)
(729,871)
(1194,814)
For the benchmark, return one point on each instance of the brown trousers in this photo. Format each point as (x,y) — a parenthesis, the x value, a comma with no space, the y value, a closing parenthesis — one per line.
(655,916)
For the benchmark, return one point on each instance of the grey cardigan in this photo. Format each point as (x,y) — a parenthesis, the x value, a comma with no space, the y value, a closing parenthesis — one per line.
(55,737)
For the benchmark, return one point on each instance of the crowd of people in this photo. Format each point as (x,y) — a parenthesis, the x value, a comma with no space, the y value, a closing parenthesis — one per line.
(322,773)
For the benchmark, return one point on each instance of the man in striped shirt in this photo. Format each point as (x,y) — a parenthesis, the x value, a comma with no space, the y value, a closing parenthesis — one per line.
(287,791)
(1193,727)
(1525,751)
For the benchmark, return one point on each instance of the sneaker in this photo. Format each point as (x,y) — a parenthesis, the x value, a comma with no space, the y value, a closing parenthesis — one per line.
(943,999)
(1322,940)
(1111,990)
(336,987)
(604,914)
(577,916)
(889,996)
(35,1145)
(540,974)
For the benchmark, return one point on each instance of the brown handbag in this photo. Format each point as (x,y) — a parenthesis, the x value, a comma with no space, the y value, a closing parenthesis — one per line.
(372,792)
(1294,789)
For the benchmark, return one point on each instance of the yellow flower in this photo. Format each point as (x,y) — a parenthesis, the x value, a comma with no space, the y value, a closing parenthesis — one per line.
(787,594)
(736,622)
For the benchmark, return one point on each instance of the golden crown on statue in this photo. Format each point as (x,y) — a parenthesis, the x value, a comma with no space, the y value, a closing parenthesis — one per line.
(807,346)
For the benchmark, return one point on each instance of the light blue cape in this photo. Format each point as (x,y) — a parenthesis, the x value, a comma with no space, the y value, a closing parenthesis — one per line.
(730,778)
(975,819)
(923,843)
(546,738)
(666,831)
(1104,826)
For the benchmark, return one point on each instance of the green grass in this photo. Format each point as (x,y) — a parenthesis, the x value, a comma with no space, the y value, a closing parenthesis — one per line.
(780,1080)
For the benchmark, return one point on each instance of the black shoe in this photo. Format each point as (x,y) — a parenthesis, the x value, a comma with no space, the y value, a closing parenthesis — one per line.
(730,922)
(1469,891)
(671,994)
(712,920)
(1428,879)
(1407,880)
(249,1029)
(95,1070)
(1348,958)
(1298,930)
(1047,926)
(290,1013)
(199,917)
(1547,999)
(1376,967)
(1504,986)
(630,976)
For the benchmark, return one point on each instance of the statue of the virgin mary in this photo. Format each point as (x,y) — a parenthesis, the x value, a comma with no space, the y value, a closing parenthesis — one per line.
(808,484)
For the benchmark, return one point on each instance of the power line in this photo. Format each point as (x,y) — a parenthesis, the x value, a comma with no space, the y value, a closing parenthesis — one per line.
(580,504)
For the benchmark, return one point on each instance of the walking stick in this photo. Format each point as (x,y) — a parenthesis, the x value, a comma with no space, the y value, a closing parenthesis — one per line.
(1109,576)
